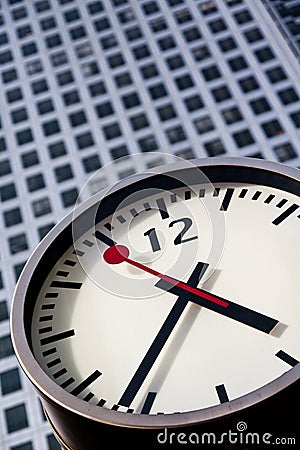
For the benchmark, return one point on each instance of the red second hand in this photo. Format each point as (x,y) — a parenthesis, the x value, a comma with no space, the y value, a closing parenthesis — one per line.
(119,253)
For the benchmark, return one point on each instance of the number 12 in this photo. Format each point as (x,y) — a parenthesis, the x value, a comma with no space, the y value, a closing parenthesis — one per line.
(180,239)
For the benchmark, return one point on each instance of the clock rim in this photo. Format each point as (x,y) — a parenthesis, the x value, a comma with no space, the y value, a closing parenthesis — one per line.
(52,392)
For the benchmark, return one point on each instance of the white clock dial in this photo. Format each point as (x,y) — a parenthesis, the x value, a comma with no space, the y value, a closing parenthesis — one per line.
(124,337)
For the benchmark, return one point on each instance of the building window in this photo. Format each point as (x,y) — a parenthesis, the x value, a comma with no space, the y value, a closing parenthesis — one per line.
(183,16)
(51,127)
(166,43)
(29,159)
(42,6)
(78,118)
(48,23)
(116,60)
(102,24)
(148,144)
(97,89)
(133,33)
(91,163)
(139,121)
(193,103)
(264,54)
(58,59)
(10,381)
(89,69)
(45,106)
(131,100)
(72,15)
(109,42)
(24,136)
(141,52)
(77,33)
(2,144)
(288,96)
(53,443)
(35,182)
(227,44)
(221,94)
(95,7)
(243,138)
(112,131)
(184,82)
(232,115)
(276,75)
(12,217)
(57,149)
(104,109)
(119,152)
(123,80)
(25,446)
(3,313)
(296,118)
(6,348)
(208,7)
(42,231)
(272,128)
(7,192)
(158,24)
(53,41)
(201,53)
(237,63)
(84,50)
(9,75)
(175,62)
(84,140)
(211,73)
(29,49)
(14,95)
(63,173)
(166,112)
(260,105)
(6,57)
(243,17)
(17,116)
(65,78)
(5,168)
(71,97)
(204,124)
(41,207)
(69,197)
(19,13)
(192,34)
(216,26)
(126,16)
(150,8)
(34,67)
(284,152)
(176,134)
(248,84)
(149,71)
(214,148)
(157,91)
(253,35)
(18,243)
(39,86)
(16,418)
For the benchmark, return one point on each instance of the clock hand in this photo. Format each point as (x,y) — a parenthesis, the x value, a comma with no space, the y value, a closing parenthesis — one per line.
(119,253)
(161,338)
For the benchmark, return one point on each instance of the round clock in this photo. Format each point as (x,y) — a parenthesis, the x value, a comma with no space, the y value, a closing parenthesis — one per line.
(172,300)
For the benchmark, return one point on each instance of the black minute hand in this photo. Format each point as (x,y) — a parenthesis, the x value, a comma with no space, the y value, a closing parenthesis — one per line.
(161,338)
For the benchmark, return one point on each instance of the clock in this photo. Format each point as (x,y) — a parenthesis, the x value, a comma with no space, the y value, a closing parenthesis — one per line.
(171,300)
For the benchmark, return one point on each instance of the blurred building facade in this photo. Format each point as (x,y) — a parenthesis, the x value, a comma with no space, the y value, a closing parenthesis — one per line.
(88,83)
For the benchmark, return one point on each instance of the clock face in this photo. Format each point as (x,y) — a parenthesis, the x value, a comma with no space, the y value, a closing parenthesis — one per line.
(179,299)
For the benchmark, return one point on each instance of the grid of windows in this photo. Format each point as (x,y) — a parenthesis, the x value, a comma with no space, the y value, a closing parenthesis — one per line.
(91,82)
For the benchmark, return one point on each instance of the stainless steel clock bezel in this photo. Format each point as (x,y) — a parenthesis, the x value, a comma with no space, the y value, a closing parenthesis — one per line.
(52,392)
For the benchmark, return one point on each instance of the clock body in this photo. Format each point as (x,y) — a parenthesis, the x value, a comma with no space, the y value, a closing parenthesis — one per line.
(198,319)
